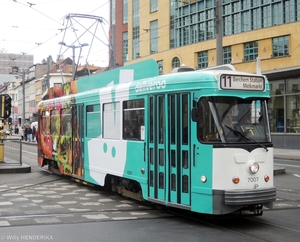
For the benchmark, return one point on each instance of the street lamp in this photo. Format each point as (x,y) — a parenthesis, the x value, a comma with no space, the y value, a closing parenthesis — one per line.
(73,49)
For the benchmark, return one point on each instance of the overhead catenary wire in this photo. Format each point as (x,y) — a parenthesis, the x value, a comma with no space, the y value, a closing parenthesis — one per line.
(41,44)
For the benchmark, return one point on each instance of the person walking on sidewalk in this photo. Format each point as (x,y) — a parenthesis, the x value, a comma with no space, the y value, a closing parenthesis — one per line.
(33,133)
(36,134)
(25,133)
(29,134)
(22,133)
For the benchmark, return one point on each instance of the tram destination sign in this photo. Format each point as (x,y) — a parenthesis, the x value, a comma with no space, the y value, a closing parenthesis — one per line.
(244,83)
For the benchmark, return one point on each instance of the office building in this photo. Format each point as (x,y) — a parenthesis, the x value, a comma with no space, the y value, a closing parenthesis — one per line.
(177,32)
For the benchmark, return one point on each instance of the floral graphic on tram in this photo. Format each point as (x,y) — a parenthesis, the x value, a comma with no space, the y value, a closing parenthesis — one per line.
(59,136)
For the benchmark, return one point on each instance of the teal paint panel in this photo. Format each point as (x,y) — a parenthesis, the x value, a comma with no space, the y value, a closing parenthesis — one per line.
(135,167)
(140,70)
(202,198)
(205,203)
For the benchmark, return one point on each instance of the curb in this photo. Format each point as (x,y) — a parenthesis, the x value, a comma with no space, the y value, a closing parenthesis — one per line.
(279,170)
(6,168)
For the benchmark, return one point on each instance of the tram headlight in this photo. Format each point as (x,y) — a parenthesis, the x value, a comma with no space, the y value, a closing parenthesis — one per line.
(254,167)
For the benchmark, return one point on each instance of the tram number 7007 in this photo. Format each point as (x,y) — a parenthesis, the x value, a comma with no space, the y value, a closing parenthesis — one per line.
(253,179)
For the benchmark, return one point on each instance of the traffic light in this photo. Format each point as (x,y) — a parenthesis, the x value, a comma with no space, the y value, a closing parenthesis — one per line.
(5,105)
(2,99)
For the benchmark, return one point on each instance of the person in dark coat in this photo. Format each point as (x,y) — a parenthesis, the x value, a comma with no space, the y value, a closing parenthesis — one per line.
(25,133)
(33,133)
(29,134)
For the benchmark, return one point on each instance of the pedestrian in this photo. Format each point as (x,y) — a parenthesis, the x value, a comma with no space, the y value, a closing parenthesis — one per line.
(25,133)
(33,133)
(29,134)
(22,133)
(36,134)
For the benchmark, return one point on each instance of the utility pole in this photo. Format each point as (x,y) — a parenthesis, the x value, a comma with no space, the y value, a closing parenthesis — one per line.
(73,49)
(219,34)
(23,90)
(48,71)
(113,48)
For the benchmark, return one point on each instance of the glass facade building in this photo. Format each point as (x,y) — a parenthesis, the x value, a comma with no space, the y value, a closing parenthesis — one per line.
(184,32)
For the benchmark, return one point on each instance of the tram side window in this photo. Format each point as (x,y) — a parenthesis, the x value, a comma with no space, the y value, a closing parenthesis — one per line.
(65,125)
(55,122)
(111,120)
(93,121)
(133,119)
(45,124)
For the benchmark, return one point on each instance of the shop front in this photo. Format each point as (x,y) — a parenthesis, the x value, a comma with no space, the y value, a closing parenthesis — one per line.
(284,107)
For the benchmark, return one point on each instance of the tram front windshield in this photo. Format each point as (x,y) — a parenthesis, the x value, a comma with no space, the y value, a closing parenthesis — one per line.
(233,120)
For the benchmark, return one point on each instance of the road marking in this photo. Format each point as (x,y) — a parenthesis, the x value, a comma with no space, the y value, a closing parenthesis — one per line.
(5,203)
(296,175)
(96,216)
(4,223)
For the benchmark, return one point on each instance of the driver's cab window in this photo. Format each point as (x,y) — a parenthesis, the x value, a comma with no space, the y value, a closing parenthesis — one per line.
(232,119)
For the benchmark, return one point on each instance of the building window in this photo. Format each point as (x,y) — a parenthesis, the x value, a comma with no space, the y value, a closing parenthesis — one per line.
(38,91)
(289,11)
(227,55)
(135,29)
(153,6)
(266,16)
(256,19)
(113,12)
(125,11)
(210,27)
(202,59)
(227,30)
(277,13)
(125,47)
(281,46)
(160,67)
(175,62)
(153,37)
(250,51)
(237,23)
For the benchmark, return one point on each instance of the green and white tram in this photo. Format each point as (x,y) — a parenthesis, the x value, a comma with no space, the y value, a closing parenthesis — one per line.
(196,140)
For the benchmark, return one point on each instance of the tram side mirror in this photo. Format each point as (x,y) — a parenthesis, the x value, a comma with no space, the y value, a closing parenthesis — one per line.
(195,114)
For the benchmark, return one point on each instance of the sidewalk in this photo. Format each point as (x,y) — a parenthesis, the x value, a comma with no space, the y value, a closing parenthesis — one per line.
(289,154)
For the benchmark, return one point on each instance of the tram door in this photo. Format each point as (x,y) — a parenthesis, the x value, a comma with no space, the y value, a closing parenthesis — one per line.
(77,139)
(169,145)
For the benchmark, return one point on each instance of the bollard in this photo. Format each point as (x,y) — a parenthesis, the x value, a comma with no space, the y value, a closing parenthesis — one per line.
(1,145)
(1,152)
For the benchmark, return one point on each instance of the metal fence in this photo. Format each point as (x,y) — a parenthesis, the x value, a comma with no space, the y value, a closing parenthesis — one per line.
(11,151)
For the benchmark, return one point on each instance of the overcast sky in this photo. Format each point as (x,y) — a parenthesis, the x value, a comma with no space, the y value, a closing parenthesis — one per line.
(36,27)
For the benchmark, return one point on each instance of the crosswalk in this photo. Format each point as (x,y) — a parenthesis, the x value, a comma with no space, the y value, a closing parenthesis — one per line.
(65,202)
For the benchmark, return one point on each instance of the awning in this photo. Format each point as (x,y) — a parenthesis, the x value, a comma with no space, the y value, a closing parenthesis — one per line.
(290,72)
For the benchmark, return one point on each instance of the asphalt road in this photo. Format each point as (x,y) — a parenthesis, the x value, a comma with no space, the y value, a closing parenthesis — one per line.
(40,206)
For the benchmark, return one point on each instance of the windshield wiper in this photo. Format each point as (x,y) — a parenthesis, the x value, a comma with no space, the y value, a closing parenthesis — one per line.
(244,136)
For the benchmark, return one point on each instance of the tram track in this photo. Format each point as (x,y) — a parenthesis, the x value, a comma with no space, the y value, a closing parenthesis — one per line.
(249,226)
(27,186)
